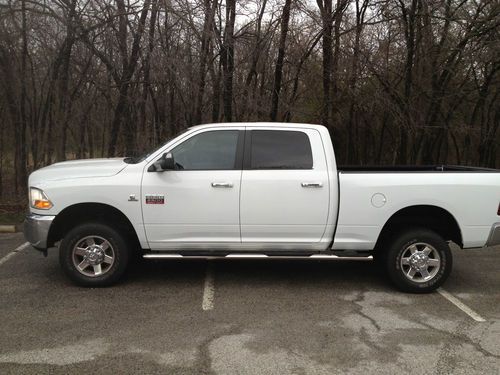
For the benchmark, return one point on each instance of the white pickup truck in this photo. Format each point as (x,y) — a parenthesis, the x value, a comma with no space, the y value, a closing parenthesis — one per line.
(271,189)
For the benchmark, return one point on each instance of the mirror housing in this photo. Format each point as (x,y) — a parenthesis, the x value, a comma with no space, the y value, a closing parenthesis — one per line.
(165,163)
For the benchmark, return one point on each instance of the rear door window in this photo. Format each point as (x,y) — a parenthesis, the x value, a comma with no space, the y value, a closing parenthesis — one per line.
(279,149)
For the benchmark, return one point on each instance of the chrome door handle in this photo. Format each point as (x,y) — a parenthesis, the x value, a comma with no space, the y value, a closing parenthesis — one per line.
(222,185)
(312,184)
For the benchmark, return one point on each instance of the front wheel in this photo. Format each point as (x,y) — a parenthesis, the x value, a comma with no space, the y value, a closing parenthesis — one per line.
(94,254)
(418,261)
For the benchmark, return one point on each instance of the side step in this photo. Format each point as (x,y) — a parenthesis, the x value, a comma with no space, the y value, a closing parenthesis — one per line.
(254,256)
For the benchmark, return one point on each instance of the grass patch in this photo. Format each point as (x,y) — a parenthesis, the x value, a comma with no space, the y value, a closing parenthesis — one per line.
(12,217)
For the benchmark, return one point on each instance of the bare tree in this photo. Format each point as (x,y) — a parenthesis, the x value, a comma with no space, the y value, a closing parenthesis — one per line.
(227,59)
(278,71)
(406,81)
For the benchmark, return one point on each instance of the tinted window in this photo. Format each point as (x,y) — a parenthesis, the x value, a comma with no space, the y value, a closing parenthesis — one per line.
(273,149)
(207,151)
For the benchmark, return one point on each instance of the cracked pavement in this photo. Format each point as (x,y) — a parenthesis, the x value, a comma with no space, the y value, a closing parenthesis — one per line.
(269,317)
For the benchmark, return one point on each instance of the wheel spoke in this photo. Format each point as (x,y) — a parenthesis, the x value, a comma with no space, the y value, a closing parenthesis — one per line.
(80,251)
(420,262)
(97,269)
(83,264)
(433,262)
(90,250)
(425,274)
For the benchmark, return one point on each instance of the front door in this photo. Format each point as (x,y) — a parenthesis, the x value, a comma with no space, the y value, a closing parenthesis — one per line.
(197,204)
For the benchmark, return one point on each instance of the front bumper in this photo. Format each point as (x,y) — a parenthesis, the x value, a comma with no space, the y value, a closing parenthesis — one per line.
(36,230)
(494,238)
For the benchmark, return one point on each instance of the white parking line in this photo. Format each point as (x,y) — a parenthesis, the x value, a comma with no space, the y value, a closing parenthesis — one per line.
(208,289)
(14,252)
(462,306)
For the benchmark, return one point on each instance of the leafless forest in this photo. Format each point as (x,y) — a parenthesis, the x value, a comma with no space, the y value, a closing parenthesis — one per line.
(395,81)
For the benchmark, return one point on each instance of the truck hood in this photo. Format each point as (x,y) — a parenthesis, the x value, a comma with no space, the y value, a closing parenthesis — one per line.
(78,169)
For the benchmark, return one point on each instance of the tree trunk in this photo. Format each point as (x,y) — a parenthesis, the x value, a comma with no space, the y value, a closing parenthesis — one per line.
(63,88)
(227,58)
(252,72)
(351,150)
(278,71)
(147,70)
(216,92)
(293,96)
(409,23)
(335,58)
(121,109)
(2,130)
(206,38)
(325,7)
(21,160)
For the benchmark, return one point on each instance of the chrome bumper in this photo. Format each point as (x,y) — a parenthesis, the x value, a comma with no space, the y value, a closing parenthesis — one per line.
(36,230)
(494,238)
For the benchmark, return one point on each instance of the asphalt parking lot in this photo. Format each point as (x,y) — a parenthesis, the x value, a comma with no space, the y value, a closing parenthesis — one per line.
(240,316)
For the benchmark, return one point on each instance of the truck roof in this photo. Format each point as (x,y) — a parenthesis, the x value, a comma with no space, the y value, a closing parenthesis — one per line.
(250,123)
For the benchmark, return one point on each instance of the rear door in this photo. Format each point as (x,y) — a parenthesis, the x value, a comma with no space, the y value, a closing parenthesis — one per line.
(284,187)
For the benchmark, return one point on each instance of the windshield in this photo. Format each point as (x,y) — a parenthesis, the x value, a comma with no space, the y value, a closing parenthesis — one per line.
(138,159)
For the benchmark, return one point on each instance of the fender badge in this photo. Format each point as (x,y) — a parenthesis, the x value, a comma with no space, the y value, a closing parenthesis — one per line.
(132,198)
(155,199)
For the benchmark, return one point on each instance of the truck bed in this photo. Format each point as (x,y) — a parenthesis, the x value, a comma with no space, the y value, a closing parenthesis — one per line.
(371,195)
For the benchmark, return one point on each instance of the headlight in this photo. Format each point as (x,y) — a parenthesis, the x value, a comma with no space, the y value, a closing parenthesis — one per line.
(39,200)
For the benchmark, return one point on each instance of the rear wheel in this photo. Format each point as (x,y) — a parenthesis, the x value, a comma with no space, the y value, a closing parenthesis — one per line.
(418,260)
(94,254)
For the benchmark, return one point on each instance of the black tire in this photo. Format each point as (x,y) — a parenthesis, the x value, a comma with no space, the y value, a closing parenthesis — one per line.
(117,243)
(379,258)
(403,245)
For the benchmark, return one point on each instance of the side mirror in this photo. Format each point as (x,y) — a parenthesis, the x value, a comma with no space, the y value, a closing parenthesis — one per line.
(164,164)
(167,162)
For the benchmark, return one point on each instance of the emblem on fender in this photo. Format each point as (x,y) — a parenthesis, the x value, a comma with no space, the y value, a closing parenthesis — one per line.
(155,199)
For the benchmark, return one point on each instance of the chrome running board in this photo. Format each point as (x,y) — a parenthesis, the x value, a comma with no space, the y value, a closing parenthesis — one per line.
(253,256)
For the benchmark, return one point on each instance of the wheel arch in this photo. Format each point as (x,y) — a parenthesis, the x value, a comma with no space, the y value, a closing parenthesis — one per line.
(80,213)
(431,217)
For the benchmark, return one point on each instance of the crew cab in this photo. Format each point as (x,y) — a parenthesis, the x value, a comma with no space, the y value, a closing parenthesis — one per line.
(272,189)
